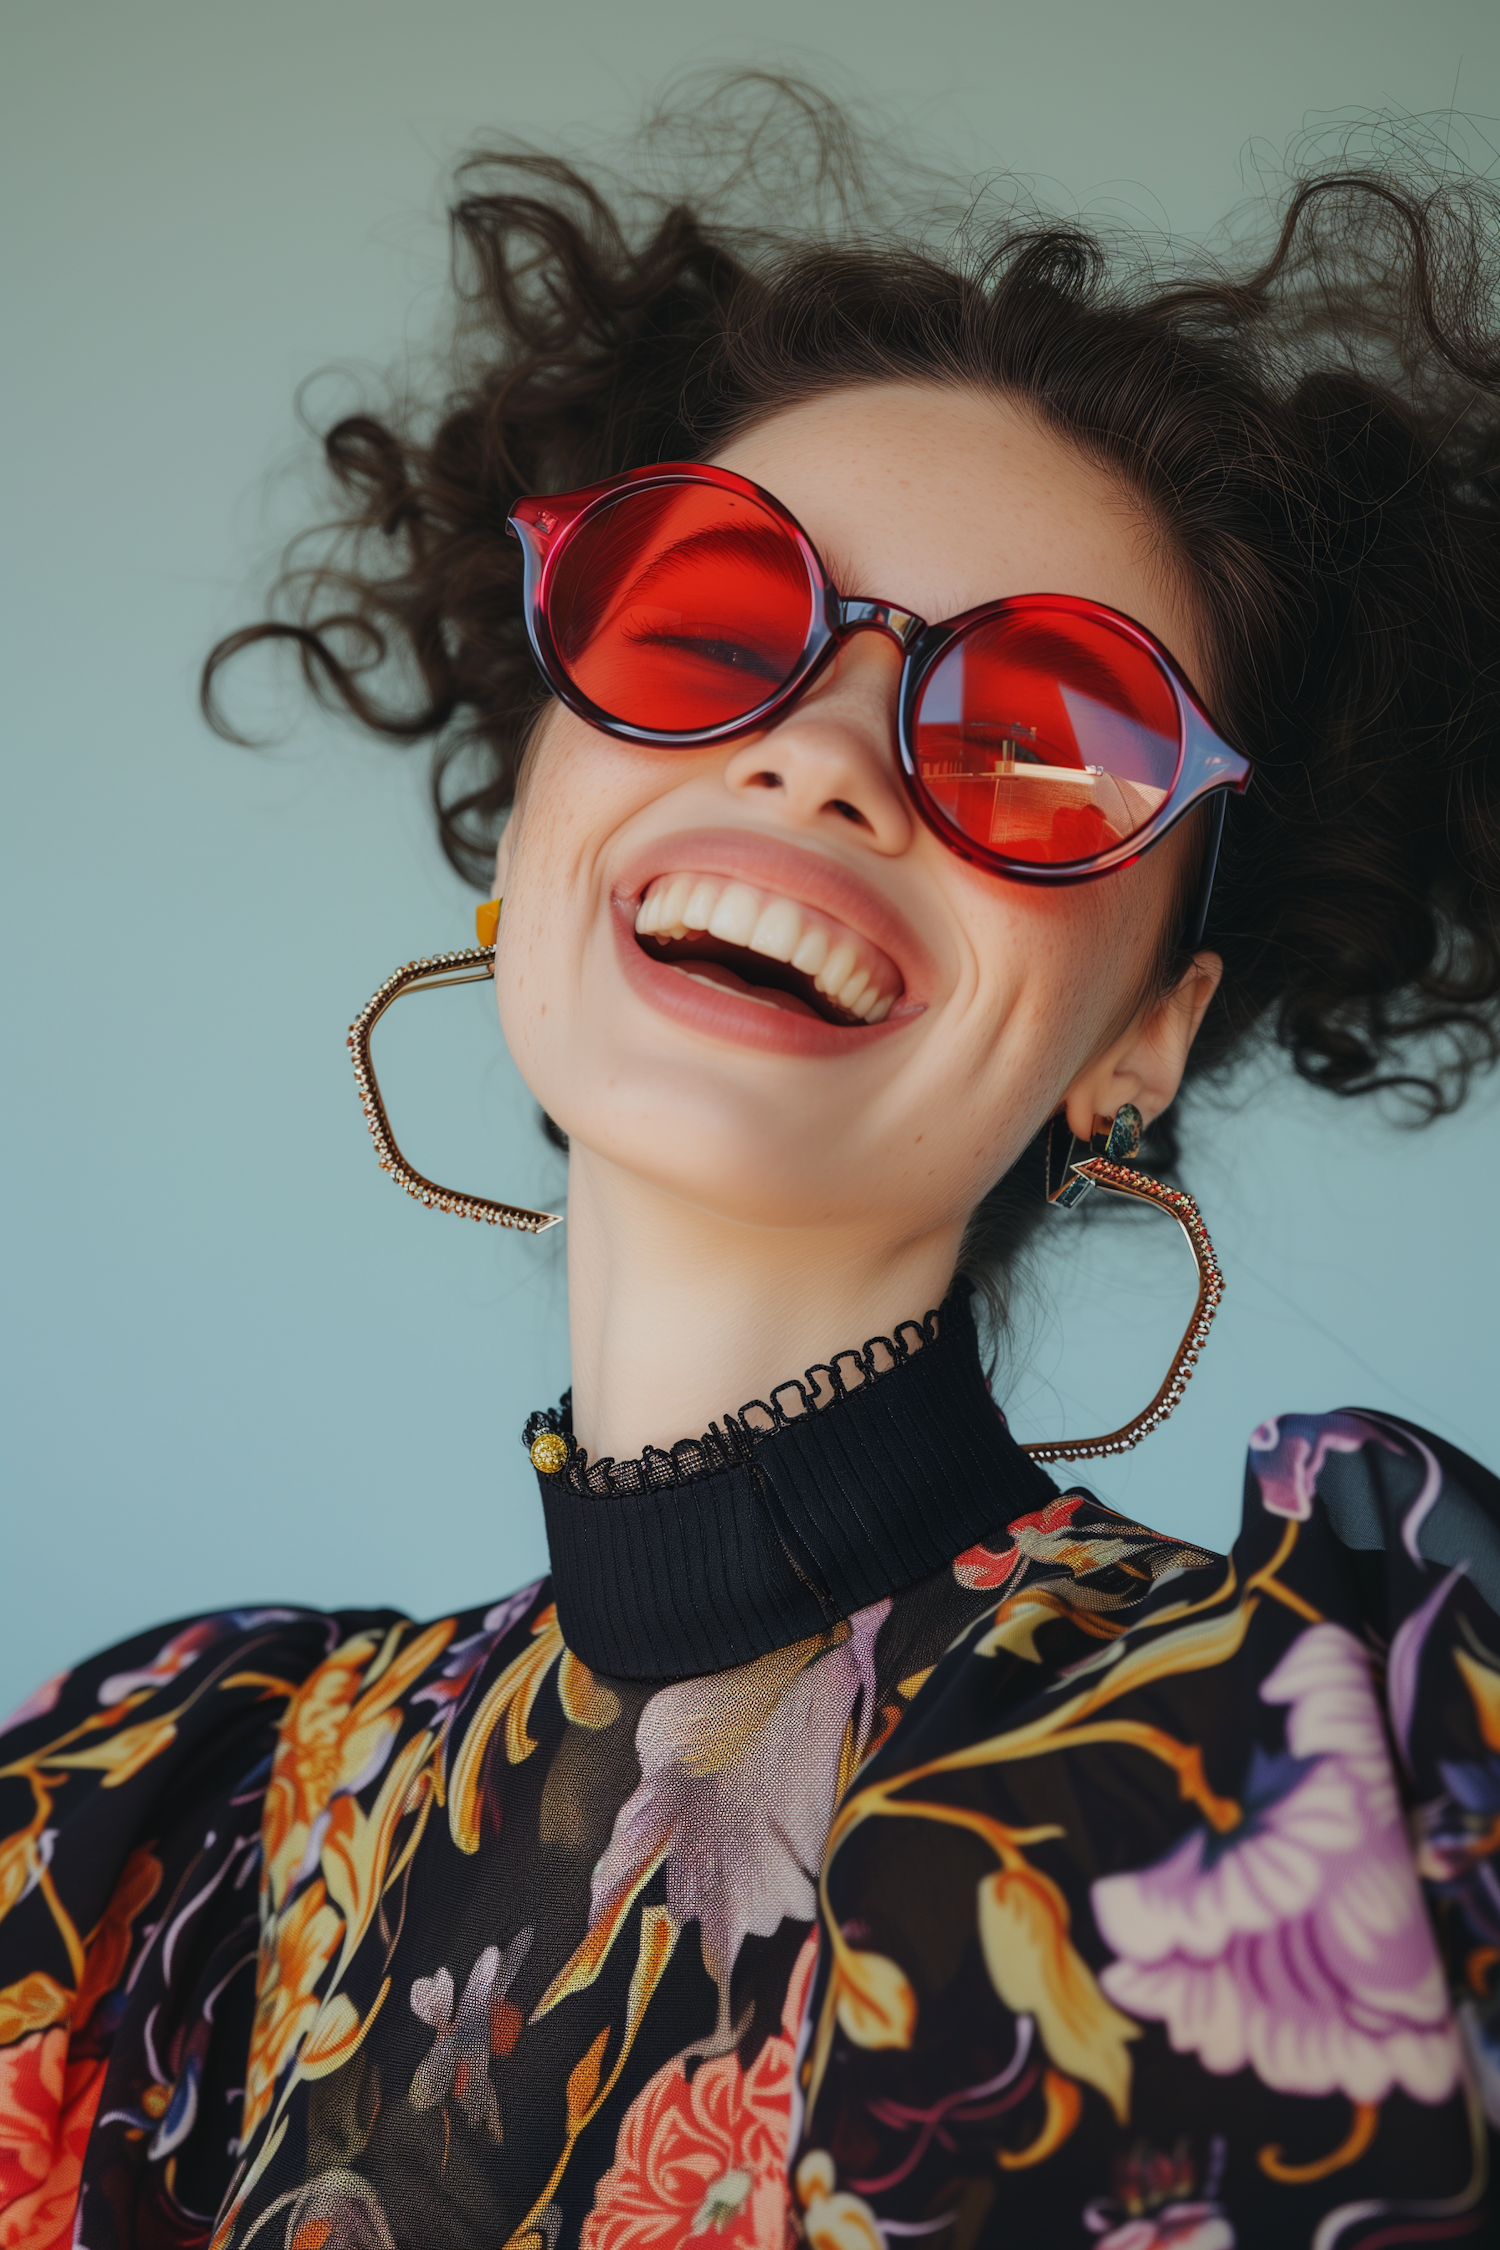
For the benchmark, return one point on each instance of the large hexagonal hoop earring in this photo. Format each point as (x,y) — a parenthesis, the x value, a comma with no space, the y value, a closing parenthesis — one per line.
(472,965)
(1114,1145)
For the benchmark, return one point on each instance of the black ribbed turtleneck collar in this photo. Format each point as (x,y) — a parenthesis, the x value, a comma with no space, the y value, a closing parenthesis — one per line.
(789,1515)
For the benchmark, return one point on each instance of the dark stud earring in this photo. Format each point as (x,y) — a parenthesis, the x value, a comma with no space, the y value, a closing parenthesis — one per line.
(1118,1138)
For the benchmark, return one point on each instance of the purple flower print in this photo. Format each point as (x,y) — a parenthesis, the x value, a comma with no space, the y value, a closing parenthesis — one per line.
(457,2064)
(450,1690)
(1287,1455)
(454,1687)
(740,1855)
(1456,1843)
(40,1701)
(1159,2203)
(185,1648)
(1297,1944)
(1456,1853)
(1177,2226)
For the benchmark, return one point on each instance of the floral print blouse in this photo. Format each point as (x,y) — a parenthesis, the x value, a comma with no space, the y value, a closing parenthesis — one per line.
(987,1869)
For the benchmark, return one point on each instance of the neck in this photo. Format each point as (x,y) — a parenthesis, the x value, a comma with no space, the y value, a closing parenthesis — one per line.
(678,1315)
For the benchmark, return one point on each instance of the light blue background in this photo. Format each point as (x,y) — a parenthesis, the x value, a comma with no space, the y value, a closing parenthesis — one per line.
(238,1364)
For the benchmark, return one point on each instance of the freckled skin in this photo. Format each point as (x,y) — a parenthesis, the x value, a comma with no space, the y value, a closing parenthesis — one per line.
(735,1214)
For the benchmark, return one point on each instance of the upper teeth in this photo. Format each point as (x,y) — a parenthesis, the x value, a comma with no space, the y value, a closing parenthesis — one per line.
(847,969)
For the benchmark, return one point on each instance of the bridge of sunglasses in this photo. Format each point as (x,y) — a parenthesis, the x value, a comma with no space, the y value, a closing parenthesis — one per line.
(851,616)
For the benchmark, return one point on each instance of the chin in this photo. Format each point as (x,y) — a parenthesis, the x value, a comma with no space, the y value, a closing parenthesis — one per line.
(719,1148)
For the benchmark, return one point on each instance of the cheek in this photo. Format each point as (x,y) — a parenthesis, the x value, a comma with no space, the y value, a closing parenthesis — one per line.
(576,787)
(550,769)
(1060,973)
(547,845)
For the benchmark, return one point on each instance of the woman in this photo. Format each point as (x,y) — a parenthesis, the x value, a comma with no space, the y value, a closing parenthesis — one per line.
(859,1835)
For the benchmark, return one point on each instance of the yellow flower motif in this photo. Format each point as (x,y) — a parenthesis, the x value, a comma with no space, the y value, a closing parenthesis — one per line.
(121,1756)
(19,1863)
(334,1737)
(33,2004)
(1062,2106)
(873,1999)
(585,1703)
(512,1698)
(1484,1692)
(1038,1971)
(293,1958)
(357,1845)
(1020,1617)
(337,2033)
(833,2219)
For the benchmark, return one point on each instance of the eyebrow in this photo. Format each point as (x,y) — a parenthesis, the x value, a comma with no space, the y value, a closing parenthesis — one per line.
(1038,645)
(726,542)
(1034,644)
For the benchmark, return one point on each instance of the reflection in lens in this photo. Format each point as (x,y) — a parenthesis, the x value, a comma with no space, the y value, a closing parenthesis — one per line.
(1046,738)
(681,607)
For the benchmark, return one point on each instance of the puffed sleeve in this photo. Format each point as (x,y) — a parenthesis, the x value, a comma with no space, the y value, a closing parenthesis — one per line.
(1173,1917)
(130,1801)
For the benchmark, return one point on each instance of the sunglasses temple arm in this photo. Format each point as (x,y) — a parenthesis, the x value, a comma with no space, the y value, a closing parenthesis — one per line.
(1197,919)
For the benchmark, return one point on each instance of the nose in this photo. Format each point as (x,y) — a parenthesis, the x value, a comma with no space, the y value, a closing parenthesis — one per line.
(831,760)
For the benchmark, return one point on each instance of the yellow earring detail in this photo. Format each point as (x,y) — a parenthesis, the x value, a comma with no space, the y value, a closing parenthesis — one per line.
(470,966)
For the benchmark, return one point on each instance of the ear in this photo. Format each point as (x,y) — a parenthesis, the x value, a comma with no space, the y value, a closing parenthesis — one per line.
(1145,1065)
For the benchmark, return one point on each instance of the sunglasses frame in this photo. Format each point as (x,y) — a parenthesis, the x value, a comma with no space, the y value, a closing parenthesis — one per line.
(546,525)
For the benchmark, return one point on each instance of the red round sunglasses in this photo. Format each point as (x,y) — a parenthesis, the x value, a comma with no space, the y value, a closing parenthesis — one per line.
(1043,737)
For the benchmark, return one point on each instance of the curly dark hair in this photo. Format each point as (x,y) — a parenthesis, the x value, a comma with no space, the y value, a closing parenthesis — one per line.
(1313,428)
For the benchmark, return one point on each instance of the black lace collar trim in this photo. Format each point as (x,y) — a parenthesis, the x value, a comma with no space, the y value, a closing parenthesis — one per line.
(849,1484)
(734,1440)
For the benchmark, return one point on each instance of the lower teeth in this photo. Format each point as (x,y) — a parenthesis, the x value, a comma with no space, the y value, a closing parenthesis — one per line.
(743,992)
(765,996)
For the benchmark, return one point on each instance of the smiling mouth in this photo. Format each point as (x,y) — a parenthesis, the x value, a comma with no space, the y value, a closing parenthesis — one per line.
(767,948)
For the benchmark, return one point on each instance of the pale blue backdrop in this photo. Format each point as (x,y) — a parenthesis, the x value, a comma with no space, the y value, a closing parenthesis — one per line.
(237,1364)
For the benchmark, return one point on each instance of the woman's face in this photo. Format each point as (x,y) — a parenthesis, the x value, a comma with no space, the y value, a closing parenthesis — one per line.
(690,1067)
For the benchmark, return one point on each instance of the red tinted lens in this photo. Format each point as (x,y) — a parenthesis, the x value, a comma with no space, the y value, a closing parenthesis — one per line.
(1046,737)
(681,607)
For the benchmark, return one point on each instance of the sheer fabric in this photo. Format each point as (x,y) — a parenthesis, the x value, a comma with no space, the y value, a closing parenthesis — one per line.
(1087,1888)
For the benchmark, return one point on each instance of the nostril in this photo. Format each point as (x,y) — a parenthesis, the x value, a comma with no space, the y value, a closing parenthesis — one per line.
(849,812)
(766,781)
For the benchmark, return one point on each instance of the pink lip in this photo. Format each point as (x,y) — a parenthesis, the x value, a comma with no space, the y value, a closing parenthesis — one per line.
(796,874)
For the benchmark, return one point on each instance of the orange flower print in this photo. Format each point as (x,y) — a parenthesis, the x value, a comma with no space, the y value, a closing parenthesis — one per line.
(1048,1538)
(109,1947)
(704,2159)
(335,1739)
(47,2107)
(297,1950)
(1042,1537)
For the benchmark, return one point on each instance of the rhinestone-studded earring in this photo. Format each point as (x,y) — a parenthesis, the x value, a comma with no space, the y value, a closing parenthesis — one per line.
(1113,1145)
(470,966)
